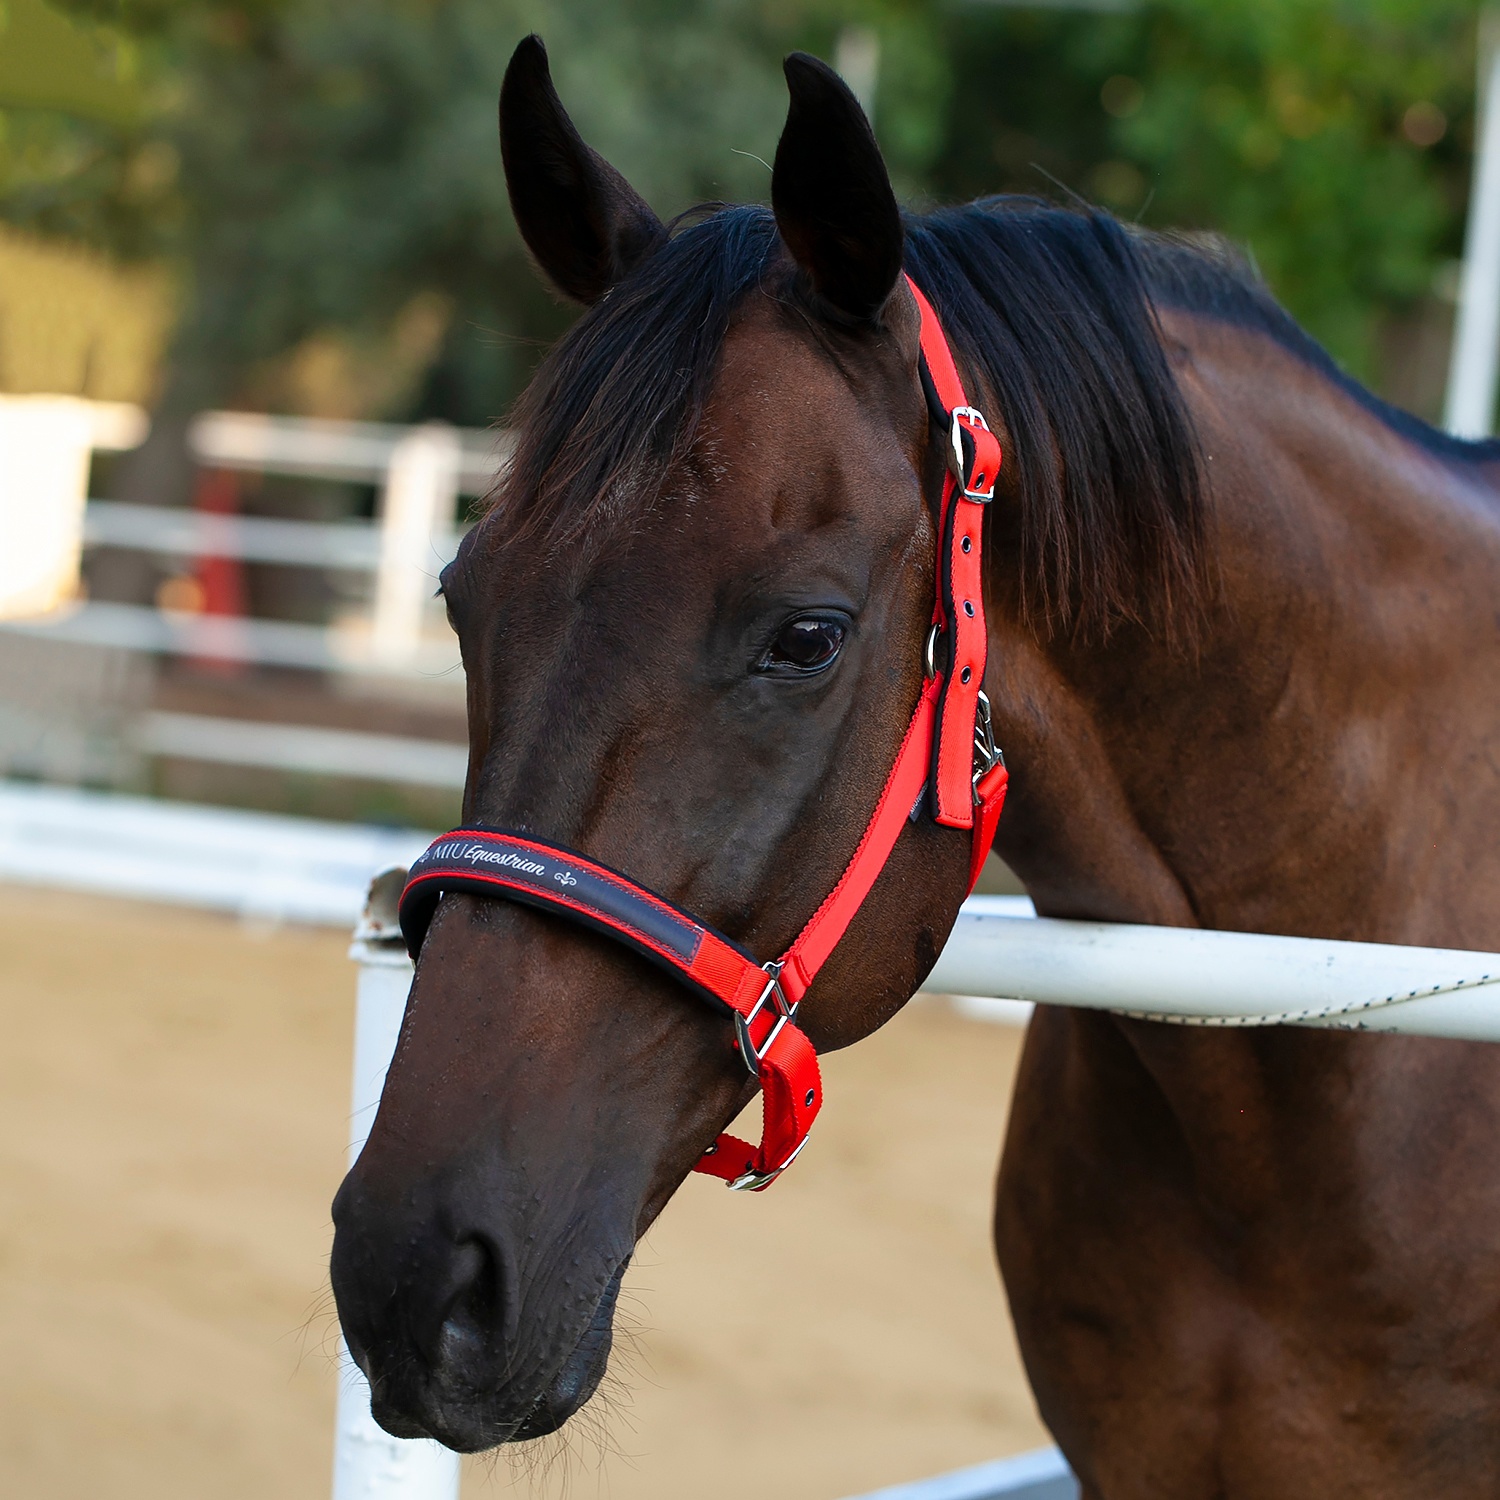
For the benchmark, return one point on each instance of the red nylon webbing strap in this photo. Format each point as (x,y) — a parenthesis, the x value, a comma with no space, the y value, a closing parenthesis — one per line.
(903,788)
(489,862)
(947,746)
(973,463)
(990,792)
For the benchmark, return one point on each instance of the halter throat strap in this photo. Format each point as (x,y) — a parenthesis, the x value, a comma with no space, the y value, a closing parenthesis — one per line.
(947,762)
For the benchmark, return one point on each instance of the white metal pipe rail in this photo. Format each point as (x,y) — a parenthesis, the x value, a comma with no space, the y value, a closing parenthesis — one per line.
(1040,1475)
(1196,977)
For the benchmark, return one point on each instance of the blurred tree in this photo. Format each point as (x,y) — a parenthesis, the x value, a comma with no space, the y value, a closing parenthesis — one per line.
(338,185)
(1333,140)
(75,162)
(326,170)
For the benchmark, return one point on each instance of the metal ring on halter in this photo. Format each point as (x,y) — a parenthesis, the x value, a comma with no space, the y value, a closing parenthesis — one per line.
(929,652)
(751,1055)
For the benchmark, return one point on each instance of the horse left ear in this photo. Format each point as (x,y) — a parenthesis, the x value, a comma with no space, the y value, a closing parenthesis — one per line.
(586,226)
(832,195)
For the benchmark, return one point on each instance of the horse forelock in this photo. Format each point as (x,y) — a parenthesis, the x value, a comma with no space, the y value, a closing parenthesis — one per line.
(616,403)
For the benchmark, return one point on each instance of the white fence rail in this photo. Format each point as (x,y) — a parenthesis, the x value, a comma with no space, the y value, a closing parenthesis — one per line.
(1203,978)
(317,448)
(422,473)
(170,532)
(1042,1475)
(303,748)
(259,866)
(345,649)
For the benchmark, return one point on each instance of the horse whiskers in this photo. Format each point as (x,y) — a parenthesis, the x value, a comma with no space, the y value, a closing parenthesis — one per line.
(319,1329)
(630,1356)
(589,1439)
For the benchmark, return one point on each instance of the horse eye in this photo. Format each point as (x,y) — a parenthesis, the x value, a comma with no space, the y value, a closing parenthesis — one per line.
(805,645)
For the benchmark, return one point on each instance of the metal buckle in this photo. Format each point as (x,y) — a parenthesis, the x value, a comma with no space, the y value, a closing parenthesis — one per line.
(987,754)
(955,438)
(747,1182)
(772,996)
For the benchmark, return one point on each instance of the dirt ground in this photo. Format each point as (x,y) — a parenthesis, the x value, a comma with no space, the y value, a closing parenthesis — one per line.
(173,1094)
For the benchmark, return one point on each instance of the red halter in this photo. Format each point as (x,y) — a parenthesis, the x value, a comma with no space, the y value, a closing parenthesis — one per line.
(948,751)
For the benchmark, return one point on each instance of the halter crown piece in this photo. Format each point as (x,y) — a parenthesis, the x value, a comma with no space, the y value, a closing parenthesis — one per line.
(947,759)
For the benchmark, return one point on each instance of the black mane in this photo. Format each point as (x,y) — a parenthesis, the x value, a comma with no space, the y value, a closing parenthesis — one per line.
(1208,275)
(1054,308)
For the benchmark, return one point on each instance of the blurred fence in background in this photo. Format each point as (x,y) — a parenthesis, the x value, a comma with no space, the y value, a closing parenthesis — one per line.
(197,669)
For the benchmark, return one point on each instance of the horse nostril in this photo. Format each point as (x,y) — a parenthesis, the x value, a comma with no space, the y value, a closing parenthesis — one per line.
(468,1322)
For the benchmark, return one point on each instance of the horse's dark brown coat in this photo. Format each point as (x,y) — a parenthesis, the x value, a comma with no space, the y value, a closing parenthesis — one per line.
(1256,1266)
(1262,1263)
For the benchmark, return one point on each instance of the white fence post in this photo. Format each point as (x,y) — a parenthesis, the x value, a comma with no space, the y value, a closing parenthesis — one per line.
(419,501)
(45,445)
(1470,408)
(368,1463)
(856,58)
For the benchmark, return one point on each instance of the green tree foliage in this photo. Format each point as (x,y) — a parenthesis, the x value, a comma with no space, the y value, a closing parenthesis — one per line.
(1331,139)
(76,161)
(337,159)
(319,164)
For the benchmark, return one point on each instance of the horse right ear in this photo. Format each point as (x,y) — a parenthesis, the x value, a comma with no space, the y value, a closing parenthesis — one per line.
(586,226)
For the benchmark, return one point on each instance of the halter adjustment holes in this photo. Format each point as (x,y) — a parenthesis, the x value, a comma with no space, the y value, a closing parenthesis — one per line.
(967,544)
(965,675)
(805,645)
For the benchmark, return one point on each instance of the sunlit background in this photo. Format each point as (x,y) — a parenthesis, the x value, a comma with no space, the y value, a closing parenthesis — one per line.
(260,289)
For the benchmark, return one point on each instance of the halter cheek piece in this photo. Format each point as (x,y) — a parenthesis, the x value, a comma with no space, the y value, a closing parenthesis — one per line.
(947,759)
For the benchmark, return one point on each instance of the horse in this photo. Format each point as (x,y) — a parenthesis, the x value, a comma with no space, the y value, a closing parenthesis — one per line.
(1244,661)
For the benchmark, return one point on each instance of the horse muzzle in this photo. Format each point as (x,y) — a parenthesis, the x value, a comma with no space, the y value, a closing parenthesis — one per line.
(434,1322)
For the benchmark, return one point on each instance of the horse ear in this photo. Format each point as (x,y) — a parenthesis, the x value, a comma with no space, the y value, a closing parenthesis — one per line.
(586,226)
(832,196)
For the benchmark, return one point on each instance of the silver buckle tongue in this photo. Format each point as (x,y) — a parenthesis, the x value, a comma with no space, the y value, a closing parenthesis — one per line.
(771,996)
(747,1182)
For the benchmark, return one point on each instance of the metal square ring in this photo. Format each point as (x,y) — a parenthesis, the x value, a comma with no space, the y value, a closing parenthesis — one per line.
(770,997)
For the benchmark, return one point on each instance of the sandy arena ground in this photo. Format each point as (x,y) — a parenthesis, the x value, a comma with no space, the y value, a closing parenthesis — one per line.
(172,1117)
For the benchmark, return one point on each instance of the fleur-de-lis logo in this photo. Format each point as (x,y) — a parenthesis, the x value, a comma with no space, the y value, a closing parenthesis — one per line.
(562,877)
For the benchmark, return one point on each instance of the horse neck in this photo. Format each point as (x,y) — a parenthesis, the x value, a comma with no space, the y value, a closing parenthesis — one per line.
(1298,772)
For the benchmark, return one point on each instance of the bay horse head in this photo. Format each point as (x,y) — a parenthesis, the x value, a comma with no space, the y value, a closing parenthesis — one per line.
(693,626)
